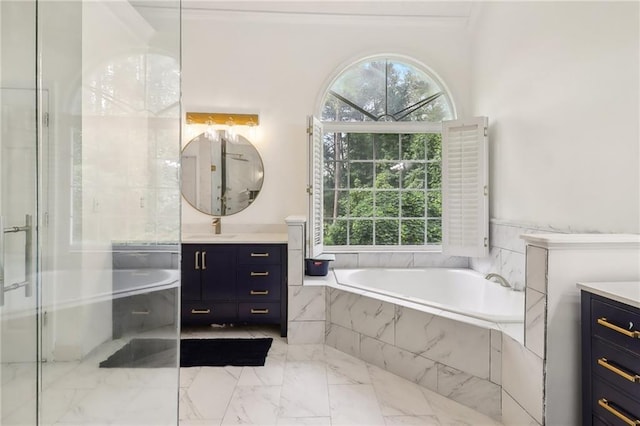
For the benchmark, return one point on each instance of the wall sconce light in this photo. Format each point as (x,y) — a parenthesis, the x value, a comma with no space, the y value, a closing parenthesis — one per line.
(223,118)
(224,121)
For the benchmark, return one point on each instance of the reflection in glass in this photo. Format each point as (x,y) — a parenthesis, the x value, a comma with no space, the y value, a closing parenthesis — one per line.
(221,174)
(110,241)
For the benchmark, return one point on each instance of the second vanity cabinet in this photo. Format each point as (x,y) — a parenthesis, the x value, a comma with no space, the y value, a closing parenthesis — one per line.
(610,355)
(234,284)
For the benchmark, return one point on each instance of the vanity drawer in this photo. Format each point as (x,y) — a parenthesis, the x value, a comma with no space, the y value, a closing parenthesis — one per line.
(259,254)
(143,312)
(597,421)
(208,312)
(619,367)
(262,312)
(612,405)
(261,281)
(616,324)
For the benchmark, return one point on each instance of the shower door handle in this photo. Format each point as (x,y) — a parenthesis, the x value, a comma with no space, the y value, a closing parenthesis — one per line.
(28,258)
(1,261)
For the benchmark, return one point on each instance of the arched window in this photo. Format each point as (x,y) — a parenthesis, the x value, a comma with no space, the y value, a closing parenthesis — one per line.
(386,89)
(382,156)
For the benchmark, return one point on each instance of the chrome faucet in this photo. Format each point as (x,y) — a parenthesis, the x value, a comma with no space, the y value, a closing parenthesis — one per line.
(217,224)
(499,279)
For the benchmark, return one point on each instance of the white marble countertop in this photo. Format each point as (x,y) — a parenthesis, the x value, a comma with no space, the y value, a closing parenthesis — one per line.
(627,292)
(235,238)
(587,241)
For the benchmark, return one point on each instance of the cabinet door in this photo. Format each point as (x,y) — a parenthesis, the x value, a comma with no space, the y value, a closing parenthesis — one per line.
(190,268)
(218,272)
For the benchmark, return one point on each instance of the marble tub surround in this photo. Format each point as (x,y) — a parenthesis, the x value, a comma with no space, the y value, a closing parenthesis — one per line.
(307,304)
(449,357)
(311,385)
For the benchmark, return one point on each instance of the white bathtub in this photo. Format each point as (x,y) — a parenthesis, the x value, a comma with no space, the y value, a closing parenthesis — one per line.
(461,291)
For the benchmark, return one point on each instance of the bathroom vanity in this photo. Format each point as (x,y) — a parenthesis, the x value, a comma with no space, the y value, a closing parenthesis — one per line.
(610,353)
(236,279)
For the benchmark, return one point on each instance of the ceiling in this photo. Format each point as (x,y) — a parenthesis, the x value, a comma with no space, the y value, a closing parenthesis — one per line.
(396,8)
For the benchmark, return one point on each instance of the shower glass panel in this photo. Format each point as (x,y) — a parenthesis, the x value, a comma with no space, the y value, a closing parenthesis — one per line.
(109,98)
(18,214)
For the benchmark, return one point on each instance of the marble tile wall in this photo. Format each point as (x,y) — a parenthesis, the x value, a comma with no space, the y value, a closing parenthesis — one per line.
(306,304)
(522,382)
(507,251)
(398,260)
(451,358)
(522,362)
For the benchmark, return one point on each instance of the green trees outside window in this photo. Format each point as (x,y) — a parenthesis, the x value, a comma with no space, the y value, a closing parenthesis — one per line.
(382,189)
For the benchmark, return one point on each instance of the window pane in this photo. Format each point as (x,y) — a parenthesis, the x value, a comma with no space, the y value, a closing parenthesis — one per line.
(361,203)
(413,146)
(360,146)
(361,232)
(387,232)
(434,204)
(361,175)
(387,204)
(412,232)
(329,143)
(387,146)
(335,233)
(388,175)
(434,232)
(434,147)
(335,175)
(364,85)
(413,204)
(407,86)
(328,204)
(386,89)
(413,175)
(434,175)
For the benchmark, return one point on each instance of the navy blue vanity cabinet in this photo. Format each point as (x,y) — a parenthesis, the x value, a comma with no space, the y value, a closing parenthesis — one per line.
(259,287)
(610,361)
(234,283)
(208,284)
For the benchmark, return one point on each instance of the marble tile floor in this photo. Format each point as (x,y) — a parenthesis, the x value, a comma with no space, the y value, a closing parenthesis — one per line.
(308,385)
(299,385)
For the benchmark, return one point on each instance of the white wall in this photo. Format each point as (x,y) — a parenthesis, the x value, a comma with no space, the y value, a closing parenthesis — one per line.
(559,82)
(278,66)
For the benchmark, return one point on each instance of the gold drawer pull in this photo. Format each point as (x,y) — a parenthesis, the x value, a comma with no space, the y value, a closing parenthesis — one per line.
(631,377)
(259,292)
(259,311)
(200,311)
(259,274)
(259,254)
(603,322)
(147,312)
(605,404)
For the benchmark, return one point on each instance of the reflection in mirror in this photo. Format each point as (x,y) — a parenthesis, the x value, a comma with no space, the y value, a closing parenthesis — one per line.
(222,173)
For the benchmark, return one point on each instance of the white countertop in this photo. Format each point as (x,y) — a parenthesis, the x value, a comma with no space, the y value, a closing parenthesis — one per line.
(627,292)
(582,241)
(235,238)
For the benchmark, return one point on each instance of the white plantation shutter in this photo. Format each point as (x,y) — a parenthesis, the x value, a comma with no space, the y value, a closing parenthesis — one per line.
(315,188)
(465,186)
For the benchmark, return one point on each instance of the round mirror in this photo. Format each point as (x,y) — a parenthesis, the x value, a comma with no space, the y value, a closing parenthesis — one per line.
(221,173)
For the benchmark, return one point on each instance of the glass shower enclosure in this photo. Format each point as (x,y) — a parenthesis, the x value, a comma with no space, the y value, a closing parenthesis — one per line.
(89,212)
